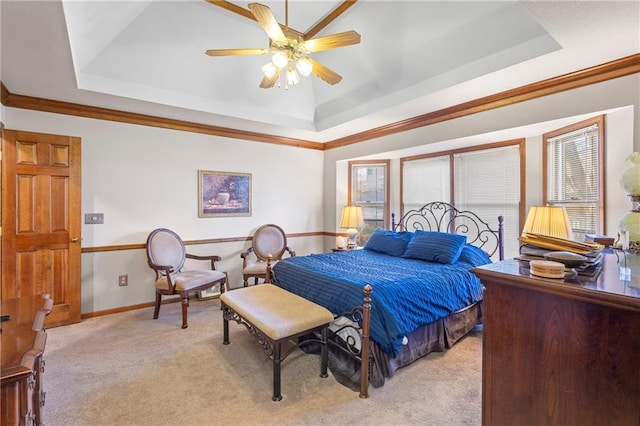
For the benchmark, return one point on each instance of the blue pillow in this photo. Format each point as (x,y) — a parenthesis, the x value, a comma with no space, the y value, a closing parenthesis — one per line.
(388,242)
(435,246)
(474,256)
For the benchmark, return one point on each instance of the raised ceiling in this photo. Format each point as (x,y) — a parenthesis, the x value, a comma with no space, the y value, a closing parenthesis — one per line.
(415,57)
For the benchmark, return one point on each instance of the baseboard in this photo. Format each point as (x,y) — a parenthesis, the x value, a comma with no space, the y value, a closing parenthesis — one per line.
(128,308)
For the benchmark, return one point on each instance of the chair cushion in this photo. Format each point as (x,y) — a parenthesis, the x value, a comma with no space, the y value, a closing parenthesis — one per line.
(275,311)
(164,247)
(269,240)
(258,267)
(188,280)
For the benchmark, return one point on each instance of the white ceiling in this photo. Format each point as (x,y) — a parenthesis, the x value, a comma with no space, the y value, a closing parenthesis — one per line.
(415,57)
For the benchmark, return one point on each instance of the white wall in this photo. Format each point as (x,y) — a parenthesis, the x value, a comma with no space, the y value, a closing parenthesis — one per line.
(619,99)
(142,178)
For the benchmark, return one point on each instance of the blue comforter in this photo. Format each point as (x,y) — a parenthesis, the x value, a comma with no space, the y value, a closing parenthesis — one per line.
(407,293)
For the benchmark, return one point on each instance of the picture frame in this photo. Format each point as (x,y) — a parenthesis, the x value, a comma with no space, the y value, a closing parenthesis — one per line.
(223,194)
(210,293)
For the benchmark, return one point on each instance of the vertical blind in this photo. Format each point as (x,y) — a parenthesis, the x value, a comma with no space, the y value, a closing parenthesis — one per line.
(573,171)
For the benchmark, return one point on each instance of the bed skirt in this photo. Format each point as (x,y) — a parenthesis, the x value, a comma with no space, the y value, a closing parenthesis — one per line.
(434,337)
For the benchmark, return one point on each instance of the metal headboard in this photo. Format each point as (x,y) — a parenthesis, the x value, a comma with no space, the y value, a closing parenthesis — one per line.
(444,217)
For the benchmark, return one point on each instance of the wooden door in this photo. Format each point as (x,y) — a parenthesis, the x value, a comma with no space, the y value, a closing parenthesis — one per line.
(40,234)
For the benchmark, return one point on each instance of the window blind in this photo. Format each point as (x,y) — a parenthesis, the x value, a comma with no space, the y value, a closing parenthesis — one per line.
(485,181)
(423,180)
(573,173)
(369,191)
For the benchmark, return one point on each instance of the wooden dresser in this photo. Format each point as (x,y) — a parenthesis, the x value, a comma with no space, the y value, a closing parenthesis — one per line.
(560,352)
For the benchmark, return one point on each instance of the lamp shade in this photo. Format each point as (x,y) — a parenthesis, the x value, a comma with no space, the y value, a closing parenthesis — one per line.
(548,220)
(352,217)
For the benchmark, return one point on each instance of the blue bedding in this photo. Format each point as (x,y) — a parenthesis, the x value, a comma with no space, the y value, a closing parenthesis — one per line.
(407,293)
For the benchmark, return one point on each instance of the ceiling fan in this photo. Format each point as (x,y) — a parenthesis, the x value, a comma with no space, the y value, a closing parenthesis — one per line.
(289,48)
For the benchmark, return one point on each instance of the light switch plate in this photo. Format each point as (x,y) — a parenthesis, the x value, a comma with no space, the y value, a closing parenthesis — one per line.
(94,218)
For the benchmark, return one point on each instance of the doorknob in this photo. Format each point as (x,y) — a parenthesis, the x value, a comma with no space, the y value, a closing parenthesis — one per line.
(75,239)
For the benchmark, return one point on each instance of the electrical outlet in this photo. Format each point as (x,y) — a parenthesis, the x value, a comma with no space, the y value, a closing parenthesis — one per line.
(123,280)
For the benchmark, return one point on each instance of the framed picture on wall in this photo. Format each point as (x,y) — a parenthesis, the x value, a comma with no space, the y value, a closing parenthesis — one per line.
(224,194)
(209,293)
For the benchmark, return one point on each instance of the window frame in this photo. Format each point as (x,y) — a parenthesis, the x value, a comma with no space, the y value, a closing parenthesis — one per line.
(451,153)
(520,143)
(601,180)
(376,163)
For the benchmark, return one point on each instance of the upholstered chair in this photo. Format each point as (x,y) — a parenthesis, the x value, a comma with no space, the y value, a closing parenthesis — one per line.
(268,240)
(166,255)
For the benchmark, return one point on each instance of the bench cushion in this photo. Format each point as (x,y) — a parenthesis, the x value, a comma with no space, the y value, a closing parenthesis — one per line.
(276,312)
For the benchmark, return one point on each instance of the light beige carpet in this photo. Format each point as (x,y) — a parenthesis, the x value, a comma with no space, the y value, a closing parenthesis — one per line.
(128,369)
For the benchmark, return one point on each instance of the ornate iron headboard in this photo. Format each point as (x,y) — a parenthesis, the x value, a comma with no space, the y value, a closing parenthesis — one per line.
(444,217)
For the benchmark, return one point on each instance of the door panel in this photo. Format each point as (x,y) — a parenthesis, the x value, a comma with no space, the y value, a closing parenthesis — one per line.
(41,234)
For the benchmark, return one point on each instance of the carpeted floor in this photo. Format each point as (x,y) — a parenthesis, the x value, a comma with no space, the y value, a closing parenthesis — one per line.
(128,369)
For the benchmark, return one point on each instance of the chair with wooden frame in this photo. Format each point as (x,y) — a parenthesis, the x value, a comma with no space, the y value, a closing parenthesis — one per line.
(268,240)
(22,389)
(166,255)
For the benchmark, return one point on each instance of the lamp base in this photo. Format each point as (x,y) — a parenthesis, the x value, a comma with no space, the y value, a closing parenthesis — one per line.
(352,238)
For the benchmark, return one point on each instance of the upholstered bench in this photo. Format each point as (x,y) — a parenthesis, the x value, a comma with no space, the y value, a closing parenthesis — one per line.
(275,316)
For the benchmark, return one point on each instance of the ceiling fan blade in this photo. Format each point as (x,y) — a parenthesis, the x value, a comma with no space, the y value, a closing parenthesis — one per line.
(324,73)
(339,10)
(268,22)
(269,82)
(230,52)
(333,41)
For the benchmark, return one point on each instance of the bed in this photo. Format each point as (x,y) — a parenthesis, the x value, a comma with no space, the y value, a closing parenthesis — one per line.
(408,292)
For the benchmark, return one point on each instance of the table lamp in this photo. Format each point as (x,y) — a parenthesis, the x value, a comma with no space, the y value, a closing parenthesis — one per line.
(352,219)
(552,221)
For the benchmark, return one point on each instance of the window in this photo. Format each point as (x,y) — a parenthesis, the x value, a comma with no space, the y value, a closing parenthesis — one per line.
(484,179)
(368,183)
(573,174)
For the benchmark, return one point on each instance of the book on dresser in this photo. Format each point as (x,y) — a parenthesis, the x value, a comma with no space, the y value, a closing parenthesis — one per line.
(590,267)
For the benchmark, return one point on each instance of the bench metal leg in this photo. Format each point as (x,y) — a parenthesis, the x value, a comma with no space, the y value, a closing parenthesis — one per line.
(276,372)
(324,352)
(225,326)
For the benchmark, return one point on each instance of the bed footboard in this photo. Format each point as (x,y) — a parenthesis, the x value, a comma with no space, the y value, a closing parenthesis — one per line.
(350,335)
(357,328)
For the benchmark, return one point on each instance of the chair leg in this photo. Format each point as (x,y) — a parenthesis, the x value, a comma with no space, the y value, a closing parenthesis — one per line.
(185,305)
(245,280)
(224,284)
(156,310)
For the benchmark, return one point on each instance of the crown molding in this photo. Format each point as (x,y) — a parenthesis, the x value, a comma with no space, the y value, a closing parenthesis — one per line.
(12,100)
(597,74)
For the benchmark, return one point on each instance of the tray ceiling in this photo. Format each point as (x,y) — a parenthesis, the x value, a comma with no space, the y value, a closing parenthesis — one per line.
(414,57)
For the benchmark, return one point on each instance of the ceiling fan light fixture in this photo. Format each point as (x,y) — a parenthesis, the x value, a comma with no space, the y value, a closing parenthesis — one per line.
(304,66)
(292,76)
(290,49)
(269,70)
(280,59)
